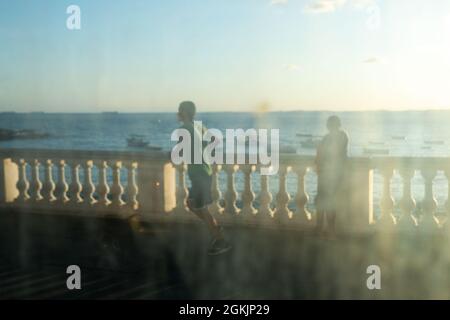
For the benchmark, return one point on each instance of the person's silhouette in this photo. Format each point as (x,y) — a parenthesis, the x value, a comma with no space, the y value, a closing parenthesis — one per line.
(330,162)
(200,175)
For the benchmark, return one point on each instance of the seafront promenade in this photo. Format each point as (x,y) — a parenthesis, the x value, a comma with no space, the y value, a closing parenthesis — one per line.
(128,228)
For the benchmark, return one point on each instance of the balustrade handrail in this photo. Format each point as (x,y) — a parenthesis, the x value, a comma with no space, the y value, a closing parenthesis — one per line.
(152,184)
(411,162)
(285,158)
(84,154)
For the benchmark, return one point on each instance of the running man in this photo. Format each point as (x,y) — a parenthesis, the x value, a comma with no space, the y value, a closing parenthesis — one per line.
(200,175)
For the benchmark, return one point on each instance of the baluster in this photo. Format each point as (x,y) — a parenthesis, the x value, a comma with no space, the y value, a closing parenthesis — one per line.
(265,199)
(103,187)
(75,186)
(282,212)
(48,187)
(36,184)
(116,187)
(181,191)
(407,221)
(231,194)
(61,185)
(132,188)
(248,195)
(387,218)
(88,186)
(216,195)
(22,184)
(429,221)
(301,199)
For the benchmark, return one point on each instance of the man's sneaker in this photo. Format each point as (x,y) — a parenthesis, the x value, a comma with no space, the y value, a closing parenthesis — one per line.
(218,246)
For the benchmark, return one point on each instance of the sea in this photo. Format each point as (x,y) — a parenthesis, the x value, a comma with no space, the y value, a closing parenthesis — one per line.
(371,134)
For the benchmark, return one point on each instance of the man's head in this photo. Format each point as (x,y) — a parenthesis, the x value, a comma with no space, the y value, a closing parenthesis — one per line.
(186,111)
(333,123)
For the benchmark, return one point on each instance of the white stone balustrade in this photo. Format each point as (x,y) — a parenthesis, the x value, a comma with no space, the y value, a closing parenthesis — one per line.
(48,188)
(387,219)
(408,204)
(248,211)
(75,186)
(59,181)
(231,195)
(265,211)
(147,184)
(216,194)
(412,217)
(302,213)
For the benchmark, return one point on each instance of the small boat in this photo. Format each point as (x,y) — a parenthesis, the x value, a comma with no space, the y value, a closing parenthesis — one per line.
(304,135)
(434,142)
(137,141)
(376,151)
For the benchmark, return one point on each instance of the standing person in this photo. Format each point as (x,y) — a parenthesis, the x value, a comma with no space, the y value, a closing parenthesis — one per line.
(200,175)
(331,160)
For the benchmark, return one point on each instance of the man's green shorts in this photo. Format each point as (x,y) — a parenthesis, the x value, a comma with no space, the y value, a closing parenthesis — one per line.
(200,191)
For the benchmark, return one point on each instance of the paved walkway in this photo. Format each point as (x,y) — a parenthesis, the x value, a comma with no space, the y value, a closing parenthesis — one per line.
(170,262)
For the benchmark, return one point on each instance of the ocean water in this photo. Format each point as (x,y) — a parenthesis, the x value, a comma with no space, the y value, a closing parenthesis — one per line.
(375,130)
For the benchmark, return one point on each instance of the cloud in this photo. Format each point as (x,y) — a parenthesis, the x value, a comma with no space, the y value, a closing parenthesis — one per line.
(374,60)
(323,6)
(362,4)
(278,2)
(291,67)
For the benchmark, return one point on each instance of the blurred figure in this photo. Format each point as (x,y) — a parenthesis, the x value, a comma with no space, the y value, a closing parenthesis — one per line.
(330,161)
(200,175)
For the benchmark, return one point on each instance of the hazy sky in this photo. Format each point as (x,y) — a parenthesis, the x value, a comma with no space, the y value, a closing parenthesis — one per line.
(225,55)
